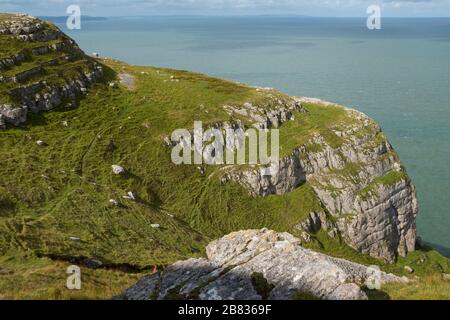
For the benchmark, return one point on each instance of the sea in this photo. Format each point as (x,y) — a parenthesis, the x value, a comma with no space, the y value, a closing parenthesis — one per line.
(398,75)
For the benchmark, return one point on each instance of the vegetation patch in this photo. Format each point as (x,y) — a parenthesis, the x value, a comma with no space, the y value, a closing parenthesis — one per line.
(389,179)
(261,285)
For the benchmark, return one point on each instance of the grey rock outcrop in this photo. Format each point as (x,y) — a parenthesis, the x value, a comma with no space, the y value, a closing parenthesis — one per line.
(28,28)
(12,60)
(315,222)
(240,262)
(27,96)
(271,116)
(12,114)
(360,183)
(40,96)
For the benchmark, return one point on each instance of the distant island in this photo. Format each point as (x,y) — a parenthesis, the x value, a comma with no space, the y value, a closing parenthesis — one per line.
(63,19)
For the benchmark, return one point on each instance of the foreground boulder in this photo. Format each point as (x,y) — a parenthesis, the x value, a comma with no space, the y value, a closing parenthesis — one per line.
(258,264)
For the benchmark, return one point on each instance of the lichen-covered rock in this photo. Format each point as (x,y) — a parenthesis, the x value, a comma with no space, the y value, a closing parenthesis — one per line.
(239,261)
(12,114)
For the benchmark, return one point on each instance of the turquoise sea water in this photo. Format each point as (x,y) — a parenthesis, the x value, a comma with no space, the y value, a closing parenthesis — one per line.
(400,76)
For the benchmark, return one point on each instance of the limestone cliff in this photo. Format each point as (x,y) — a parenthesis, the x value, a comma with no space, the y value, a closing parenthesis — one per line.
(358,178)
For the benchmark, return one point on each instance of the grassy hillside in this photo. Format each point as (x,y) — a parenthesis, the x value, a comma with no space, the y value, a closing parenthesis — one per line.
(66,186)
(55,204)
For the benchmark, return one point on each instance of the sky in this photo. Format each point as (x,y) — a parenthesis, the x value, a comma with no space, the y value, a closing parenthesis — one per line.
(322,8)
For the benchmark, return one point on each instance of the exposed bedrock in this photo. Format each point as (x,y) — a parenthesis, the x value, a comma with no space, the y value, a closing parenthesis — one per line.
(258,264)
(29,89)
(359,181)
(40,96)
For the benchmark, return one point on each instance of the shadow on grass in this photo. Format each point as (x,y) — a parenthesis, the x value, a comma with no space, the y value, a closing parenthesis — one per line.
(428,246)
(374,294)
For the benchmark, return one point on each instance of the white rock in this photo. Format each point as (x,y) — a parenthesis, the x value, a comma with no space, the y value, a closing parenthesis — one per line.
(202,171)
(117,169)
(409,269)
(130,196)
(167,141)
(306,236)
(40,143)
(155,225)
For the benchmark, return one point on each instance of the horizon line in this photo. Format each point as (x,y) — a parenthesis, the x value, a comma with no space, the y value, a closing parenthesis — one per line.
(243,16)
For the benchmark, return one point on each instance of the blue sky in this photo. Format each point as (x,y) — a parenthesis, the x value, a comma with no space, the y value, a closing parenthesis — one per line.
(339,8)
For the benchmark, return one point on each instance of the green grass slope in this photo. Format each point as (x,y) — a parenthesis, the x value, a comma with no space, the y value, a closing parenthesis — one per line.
(65,187)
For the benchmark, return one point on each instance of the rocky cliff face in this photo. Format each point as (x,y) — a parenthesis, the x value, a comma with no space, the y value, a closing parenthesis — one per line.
(47,71)
(358,178)
(258,264)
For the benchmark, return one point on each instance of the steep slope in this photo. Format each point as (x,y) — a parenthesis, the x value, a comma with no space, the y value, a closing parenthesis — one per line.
(49,204)
(60,199)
